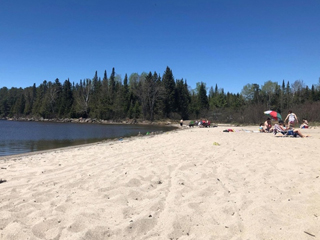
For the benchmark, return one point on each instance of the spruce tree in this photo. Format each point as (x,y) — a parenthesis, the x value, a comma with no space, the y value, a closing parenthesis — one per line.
(202,97)
(169,88)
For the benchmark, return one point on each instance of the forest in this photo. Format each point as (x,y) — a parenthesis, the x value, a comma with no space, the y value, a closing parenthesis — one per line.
(150,96)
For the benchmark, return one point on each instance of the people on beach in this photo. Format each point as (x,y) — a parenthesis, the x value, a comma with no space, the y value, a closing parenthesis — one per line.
(203,123)
(268,126)
(261,127)
(304,124)
(181,122)
(281,128)
(206,123)
(292,119)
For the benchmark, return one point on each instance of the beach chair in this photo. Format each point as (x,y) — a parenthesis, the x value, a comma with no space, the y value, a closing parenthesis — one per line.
(277,130)
(286,133)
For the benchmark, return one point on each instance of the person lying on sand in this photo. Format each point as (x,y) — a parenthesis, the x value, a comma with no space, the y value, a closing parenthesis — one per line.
(284,130)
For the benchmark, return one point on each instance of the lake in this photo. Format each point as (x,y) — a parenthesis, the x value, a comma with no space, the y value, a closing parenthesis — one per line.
(22,137)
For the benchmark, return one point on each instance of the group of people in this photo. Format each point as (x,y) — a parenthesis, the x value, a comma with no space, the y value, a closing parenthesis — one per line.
(200,123)
(291,119)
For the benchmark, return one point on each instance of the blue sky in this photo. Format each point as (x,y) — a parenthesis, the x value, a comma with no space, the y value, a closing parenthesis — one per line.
(226,42)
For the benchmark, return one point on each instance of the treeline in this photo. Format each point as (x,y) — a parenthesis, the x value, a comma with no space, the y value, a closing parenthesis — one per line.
(151,96)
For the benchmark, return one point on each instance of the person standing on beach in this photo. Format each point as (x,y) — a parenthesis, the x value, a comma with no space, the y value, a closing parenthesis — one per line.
(181,122)
(292,118)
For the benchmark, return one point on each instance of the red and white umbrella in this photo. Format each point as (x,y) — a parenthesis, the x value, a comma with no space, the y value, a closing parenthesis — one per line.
(275,115)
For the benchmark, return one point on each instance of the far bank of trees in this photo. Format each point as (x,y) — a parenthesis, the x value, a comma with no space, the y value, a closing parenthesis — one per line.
(152,96)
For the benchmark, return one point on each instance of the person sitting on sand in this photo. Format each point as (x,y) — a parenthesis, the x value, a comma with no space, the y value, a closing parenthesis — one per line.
(292,118)
(284,130)
(261,127)
(267,126)
(304,124)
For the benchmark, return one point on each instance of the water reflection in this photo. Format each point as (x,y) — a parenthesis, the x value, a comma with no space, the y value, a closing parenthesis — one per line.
(23,137)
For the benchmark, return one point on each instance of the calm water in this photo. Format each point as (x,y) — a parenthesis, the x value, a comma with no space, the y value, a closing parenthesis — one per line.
(23,137)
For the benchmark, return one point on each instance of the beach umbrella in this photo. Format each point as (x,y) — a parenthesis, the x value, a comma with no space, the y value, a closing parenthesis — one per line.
(275,115)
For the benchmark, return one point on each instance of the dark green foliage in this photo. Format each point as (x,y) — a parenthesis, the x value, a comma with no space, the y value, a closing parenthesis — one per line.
(169,93)
(4,106)
(150,96)
(66,99)
(183,98)
(202,97)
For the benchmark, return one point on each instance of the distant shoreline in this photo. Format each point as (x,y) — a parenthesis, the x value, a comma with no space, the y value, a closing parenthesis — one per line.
(95,120)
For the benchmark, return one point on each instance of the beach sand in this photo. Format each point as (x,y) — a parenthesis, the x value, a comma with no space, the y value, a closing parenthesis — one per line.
(197,183)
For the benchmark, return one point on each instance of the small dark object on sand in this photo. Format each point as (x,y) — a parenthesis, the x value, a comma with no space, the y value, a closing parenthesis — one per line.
(2,180)
(309,234)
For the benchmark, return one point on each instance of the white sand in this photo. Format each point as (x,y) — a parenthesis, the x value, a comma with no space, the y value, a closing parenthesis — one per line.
(176,185)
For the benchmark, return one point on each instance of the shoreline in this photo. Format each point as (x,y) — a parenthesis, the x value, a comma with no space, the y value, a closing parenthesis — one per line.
(106,141)
(92,120)
(193,183)
(164,128)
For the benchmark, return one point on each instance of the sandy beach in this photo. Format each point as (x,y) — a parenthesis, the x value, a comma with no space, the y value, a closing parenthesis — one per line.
(196,183)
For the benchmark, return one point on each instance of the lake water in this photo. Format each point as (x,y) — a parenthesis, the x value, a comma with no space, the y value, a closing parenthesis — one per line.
(22,137)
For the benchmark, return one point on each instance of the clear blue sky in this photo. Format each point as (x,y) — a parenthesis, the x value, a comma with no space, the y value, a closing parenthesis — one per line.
(226,42)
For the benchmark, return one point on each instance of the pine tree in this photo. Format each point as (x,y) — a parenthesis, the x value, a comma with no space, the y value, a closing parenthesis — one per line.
(152,91)
(96,93)
(4,107)
(202,97)
(169,88)
(126,93)
(104,98)
(66,99)
(112,86)
(183,98)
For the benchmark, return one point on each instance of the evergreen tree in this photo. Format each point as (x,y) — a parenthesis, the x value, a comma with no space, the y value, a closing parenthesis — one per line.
(96,94)
(126,93)
(152,90)
(282,96)
(104,98)
(40,105)
(288,96)
(183,98)
(112,86)
(202,97)
(169,88)
(29,100)
(119,99)
(66,99)
(18,108)
(211,94)
(4,106)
